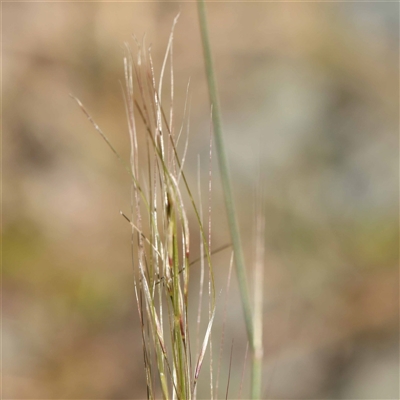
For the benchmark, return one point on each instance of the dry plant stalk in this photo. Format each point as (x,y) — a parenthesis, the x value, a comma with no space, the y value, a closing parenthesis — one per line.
(161,231)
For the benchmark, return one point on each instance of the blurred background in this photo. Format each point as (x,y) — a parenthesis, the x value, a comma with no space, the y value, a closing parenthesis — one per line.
(310,97)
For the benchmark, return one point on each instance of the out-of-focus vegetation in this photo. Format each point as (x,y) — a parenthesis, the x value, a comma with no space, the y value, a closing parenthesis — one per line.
(309,94)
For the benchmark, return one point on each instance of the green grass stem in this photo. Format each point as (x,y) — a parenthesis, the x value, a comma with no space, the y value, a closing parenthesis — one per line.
(229,201)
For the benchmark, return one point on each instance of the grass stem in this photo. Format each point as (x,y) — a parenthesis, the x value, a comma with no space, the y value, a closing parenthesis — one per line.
(229,201)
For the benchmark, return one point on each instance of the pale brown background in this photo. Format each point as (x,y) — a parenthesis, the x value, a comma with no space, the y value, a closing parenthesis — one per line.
(310,95)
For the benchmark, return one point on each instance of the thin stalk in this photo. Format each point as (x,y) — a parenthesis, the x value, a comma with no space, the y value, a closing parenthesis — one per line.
(228,196)
(259,241)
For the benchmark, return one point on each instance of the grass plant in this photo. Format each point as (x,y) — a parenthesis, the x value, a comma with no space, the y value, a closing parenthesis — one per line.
(161,232)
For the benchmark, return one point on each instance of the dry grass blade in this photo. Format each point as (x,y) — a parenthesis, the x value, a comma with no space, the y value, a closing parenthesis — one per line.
(229,373)
(221,348)
(203,349)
